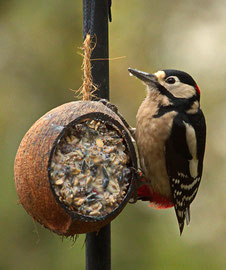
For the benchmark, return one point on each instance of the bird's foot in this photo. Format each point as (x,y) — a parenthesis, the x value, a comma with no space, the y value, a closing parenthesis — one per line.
(140,181)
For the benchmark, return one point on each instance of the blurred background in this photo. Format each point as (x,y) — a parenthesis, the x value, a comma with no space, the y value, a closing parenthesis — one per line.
(39,63)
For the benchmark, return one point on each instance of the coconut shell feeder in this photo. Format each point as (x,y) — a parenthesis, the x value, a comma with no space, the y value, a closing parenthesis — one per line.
(73,168)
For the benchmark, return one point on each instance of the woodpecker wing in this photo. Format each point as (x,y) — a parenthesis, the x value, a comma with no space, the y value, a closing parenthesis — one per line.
(184,158)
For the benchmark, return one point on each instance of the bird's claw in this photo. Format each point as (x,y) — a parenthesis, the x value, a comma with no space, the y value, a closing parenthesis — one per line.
(111,106)
(140,180)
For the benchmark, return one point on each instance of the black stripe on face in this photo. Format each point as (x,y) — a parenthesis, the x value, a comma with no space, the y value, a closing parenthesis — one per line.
(181,75)
(179,105)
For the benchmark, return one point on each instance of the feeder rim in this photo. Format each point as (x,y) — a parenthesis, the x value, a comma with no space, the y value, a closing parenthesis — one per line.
(101,116)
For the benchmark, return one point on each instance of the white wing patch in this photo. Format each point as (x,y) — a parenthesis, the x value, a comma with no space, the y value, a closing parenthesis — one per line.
(193,167)
(192,146)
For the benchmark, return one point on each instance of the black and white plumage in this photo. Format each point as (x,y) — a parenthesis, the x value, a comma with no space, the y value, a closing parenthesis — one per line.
(170,135)
(184,161)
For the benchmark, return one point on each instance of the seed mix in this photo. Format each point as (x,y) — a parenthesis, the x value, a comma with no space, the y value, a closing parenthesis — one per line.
(89,168)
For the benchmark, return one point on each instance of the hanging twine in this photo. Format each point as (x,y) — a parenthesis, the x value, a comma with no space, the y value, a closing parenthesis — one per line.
(88,87)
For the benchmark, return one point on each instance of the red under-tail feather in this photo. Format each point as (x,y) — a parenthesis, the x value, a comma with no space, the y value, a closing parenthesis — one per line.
(156,200)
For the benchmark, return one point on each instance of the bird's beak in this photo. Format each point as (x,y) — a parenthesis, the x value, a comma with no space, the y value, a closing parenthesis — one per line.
(147,78)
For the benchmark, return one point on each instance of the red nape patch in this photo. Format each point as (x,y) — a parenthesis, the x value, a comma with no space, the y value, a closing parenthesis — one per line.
(197,88)
(157,201)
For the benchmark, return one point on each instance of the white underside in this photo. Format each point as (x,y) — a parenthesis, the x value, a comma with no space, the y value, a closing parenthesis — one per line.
(151,135)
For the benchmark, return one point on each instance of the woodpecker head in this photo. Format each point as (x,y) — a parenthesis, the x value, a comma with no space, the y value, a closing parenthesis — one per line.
(171,83)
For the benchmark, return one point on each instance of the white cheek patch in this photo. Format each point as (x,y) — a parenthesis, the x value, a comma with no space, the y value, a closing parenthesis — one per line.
(192,146)
(181,90)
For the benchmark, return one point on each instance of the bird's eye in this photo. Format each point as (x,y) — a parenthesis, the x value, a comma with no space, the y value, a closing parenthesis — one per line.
(170,80)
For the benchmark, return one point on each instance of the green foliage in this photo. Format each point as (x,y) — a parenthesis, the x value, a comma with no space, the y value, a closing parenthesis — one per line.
(39,64)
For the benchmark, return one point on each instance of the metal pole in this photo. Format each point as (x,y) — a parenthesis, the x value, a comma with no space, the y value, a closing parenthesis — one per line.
(98,249)
(95,22)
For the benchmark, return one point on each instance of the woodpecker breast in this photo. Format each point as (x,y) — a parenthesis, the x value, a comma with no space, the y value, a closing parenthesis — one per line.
(151,135)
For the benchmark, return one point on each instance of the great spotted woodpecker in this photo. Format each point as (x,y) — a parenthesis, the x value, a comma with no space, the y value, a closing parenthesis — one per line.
(170,136)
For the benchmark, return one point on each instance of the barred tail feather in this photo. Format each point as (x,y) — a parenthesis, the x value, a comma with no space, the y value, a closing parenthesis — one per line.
(187,215)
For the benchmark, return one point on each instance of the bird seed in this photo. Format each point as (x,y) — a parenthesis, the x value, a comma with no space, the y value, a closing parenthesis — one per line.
(89,168)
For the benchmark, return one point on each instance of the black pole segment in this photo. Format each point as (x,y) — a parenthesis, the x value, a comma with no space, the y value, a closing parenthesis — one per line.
(100,68)
(98,249)
(95,22)
(109,10)
(88,17)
